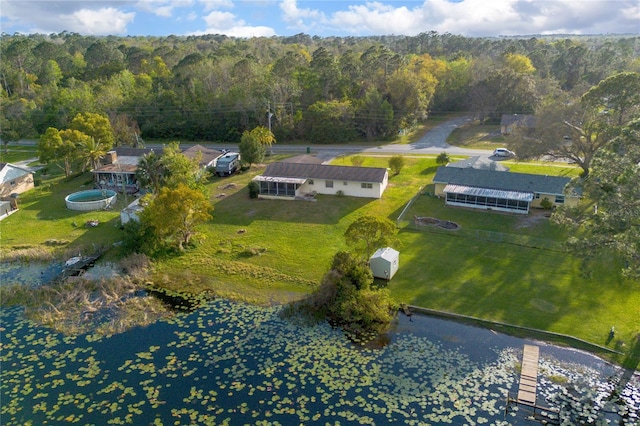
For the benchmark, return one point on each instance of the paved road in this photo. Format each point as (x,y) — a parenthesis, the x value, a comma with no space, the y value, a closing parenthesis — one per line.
(433,142)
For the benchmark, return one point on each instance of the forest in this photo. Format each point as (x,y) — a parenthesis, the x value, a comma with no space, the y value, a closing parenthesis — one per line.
(303,88)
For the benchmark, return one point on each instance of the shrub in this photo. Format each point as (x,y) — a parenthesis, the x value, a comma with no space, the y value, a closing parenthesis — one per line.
(357,160)
(442,159)
(254,189)
(396,163)
(546,204)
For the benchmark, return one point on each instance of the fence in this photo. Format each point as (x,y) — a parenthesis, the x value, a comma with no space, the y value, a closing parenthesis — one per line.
(483,235)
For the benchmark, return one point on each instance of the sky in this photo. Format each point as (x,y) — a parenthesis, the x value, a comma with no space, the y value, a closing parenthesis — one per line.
(324,18)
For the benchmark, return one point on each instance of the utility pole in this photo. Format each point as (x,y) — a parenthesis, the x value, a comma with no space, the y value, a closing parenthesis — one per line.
(269,115)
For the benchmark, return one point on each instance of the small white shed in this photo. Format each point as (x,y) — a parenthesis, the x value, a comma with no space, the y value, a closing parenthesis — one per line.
(384,263)
(131,212)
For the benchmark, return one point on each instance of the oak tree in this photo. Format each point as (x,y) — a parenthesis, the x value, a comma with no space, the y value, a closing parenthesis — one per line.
(175,213)
(368,233)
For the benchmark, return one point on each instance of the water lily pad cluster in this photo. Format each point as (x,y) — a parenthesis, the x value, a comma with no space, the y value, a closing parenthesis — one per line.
(230,363)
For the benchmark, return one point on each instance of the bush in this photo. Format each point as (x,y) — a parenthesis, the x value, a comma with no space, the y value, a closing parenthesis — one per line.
(442,159)
(347,299)
(357,160)
(546,204)
(396,163)
(254,189)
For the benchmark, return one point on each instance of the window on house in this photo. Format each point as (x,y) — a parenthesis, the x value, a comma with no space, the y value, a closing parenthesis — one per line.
(345,183)
(366,185)
(328,184)
(310,181)
(12,183)
(559,199)
(536,196)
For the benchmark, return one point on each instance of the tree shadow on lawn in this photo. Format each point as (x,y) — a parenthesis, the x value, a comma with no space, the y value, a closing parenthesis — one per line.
(492,281)
(430,170)
(238,209)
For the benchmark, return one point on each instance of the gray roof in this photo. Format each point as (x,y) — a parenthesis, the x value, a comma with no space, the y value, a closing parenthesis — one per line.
(478,162)
(506,181)
(208,154)
(323,171)
(10,171)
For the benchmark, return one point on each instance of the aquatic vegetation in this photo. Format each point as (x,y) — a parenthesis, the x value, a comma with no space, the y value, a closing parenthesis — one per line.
(29,253)
(76,305)
(230,363)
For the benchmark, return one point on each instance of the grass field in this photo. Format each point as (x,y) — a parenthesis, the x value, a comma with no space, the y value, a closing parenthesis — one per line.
(499,267)
(18,153)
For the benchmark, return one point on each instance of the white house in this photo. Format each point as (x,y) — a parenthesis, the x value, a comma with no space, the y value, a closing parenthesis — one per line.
(284,180)
(208,156)
(384,263)
(14,179)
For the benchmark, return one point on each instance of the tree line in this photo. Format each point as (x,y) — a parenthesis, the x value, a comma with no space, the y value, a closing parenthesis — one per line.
(320,90)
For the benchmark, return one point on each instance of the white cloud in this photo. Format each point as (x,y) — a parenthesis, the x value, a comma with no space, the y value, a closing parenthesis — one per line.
(295,17)
(216,4)
(163,8)
(323,17)
(468,17)
(84,17)
(97,22)
(227,23)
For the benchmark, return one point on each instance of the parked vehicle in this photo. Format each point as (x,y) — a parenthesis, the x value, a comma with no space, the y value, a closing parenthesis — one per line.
(228,164)
(503,152)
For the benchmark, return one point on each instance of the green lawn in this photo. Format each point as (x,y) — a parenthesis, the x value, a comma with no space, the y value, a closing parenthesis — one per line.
(17,153)
(270,251)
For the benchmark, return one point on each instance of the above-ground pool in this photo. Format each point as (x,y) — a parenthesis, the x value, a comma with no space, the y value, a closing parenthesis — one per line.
(92,199)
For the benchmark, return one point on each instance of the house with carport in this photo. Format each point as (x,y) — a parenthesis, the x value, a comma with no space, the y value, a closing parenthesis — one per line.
(208,157)
(291,180)
(119,167)
(501,191)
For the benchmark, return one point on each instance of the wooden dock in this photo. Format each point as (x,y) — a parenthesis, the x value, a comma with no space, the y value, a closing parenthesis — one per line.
(529,375)
(527,390)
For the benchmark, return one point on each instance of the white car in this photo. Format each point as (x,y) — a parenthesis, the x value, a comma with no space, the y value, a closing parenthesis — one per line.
(503,152)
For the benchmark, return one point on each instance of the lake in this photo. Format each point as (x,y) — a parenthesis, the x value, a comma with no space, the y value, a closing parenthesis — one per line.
(236,364)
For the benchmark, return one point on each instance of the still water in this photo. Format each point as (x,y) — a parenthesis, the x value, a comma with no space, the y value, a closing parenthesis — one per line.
(231,363)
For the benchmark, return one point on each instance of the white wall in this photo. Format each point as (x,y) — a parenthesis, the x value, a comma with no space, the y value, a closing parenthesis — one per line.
(349,188)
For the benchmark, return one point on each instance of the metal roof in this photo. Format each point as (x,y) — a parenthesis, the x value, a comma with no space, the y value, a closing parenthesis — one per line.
(479,162)
(505,181)
(263,178)
(494,193)
(117,168)
(323,171)
(10,171)
(208,154)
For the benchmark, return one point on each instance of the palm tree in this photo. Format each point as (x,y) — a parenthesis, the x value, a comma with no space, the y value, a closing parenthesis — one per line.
(151,171)
(91,152)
